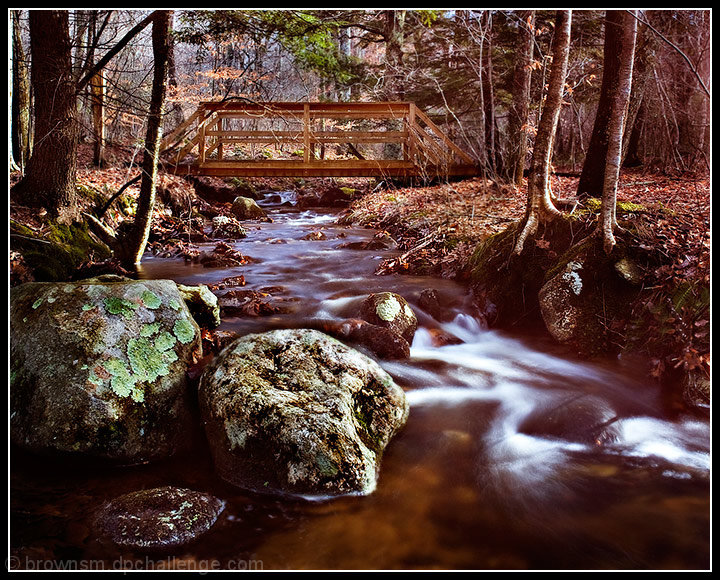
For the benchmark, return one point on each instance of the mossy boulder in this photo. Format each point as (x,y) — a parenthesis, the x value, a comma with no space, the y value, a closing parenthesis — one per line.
(98,368)
(59,251)
(245,208)
(588,296)
(298,412)
(391,311)
(158,519)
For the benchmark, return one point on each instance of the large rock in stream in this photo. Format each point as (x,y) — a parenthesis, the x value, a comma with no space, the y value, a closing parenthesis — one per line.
(391,311)
(298,412)
(245,208)
(98,368)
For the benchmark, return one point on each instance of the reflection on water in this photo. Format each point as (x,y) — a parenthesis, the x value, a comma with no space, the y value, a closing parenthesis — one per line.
(513,457)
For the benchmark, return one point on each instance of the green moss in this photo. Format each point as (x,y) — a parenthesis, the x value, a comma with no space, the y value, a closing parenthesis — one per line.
(184,331)
(147,362)
(151,300)
(149,329)
(175,305)
(121,306)
(121,382)
(165,341)
(55,255)
(594,205)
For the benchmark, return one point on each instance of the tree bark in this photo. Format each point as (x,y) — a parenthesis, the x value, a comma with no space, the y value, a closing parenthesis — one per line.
(593,171)
(540,207)
(21,138)
(133,245)
(49,181)
(621,98)
(520,112)
(489,99)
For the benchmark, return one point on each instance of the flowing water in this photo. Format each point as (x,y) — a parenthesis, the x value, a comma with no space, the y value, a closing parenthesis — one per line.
(515,455)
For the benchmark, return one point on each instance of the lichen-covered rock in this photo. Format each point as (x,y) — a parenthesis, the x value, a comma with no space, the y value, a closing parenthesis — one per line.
(98,367)
(560,303)
(296,411)
(202,303)
(245,208)
(585,297)
(390,311)
(227,227)
(157,519)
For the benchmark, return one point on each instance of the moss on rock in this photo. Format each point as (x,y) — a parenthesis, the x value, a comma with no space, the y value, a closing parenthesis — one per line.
(89,354)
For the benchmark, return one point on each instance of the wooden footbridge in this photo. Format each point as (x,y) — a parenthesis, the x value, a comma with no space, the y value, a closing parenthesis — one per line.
(380,139)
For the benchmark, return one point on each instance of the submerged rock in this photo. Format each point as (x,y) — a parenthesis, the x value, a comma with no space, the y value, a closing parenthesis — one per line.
(583,419)
(245,208)
(158,519)
(98,367)
(296,411)
(391,311)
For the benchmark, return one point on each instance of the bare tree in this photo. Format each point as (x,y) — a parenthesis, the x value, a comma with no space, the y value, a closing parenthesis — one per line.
(132,246)
(21,136)
(540,207)
(520,111)
(619,106)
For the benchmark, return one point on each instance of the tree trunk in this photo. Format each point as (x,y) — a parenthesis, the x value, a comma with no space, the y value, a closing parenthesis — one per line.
(49,181)
(489,100)
(21,139)
(97,92)
(593,171)
(631,147)
(540,207)
(520,112)
(621,98)
(133,245)
(394,25)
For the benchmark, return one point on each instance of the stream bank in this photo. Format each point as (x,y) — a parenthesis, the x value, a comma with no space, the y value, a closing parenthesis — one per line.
(647,302)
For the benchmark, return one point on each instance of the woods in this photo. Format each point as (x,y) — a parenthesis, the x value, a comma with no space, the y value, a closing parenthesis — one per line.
(265,263)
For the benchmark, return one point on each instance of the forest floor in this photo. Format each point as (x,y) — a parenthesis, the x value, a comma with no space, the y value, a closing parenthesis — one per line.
(438,227)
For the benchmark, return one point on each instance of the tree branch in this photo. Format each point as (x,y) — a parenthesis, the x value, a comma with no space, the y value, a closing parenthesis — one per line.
(122,43)
(674,47)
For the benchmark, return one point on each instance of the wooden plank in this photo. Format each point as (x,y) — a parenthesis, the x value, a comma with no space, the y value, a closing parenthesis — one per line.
(179,129)
(445,139)
(306,132)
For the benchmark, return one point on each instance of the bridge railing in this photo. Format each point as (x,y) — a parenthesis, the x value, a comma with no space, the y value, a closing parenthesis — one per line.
(396,138)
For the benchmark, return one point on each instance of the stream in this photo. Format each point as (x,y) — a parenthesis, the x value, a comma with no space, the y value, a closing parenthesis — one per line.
(500,466)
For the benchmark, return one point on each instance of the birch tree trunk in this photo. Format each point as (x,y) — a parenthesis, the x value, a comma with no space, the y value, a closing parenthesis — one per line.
(620,101)
(540,207)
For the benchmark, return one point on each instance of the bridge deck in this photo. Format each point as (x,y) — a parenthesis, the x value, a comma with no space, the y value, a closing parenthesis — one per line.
(217,129)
